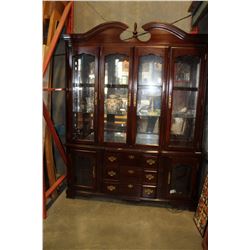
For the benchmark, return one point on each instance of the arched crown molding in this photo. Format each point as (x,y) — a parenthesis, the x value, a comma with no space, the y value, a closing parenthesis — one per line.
(155,26)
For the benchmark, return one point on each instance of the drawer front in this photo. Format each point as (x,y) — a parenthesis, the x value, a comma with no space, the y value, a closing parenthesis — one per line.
(130,189)
(129,159)
(148,192)
(111,173)
(130,174)
(149,177)
(111,159)
(150,162)
(111,188)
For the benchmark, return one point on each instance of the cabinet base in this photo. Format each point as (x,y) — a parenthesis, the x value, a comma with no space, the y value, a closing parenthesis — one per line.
(172,204)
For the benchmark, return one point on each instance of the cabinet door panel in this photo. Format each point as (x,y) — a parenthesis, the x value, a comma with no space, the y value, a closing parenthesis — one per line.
(183,101)
(84,96)
(148,100)
(116,85)
(84,166)
(179,177)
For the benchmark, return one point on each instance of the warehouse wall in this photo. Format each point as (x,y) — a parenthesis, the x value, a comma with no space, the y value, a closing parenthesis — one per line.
(86,16)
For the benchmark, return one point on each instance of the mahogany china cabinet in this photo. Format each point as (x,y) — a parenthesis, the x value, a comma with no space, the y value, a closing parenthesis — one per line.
(135,113)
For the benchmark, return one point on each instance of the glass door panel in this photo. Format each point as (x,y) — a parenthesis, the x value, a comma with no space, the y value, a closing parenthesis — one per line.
(183,117)
(149,91)
(184,94)
(116,98)
(187,71)
(83,87)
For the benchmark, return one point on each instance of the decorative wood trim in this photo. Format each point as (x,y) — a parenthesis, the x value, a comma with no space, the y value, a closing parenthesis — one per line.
(116,27)
(155,28)
(165,27)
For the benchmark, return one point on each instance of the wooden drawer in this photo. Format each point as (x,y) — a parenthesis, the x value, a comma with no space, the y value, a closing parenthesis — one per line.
(111,159)
(130,189)
(130,174)
(111,173)
(111,188)
(130,159)
(149,177)
(150,161)
(148,192)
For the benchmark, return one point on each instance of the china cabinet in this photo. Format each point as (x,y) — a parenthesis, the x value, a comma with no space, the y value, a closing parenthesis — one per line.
(135,113)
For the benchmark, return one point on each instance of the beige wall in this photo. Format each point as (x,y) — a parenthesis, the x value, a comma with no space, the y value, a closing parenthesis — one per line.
(141,12)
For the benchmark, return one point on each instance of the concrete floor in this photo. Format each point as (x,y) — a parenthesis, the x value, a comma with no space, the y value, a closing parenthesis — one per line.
(81,224)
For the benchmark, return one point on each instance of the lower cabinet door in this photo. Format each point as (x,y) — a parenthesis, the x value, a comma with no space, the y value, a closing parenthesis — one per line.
(84,166)
(179,177)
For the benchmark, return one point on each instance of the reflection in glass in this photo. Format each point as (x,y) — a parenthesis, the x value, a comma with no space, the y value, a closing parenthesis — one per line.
(83,81)
(183,116)
(186,71)
(116,98)
(149,99)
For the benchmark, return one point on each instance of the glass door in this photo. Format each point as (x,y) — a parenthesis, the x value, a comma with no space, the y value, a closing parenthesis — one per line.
(116,85)
(83,97)
(184,99)
(149,95)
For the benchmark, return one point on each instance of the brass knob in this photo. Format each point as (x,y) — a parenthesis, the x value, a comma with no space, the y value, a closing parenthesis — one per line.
(131,157)
(150,177)
(111,188)
(150,162)
(169,102)
(131,171)
(130,186)
(112,158)
(148,191)
(111,173)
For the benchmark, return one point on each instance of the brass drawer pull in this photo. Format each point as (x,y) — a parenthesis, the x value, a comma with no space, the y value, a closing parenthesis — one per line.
(130,186)
(131,157)
(112,158)
(131,171)
(111,173)
(150,162)
(148,191)
(149,177)
(111,188)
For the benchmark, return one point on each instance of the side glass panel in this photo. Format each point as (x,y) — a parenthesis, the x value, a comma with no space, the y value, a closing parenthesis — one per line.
(185,95)
(83,87)
(149,91)
(116,98)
